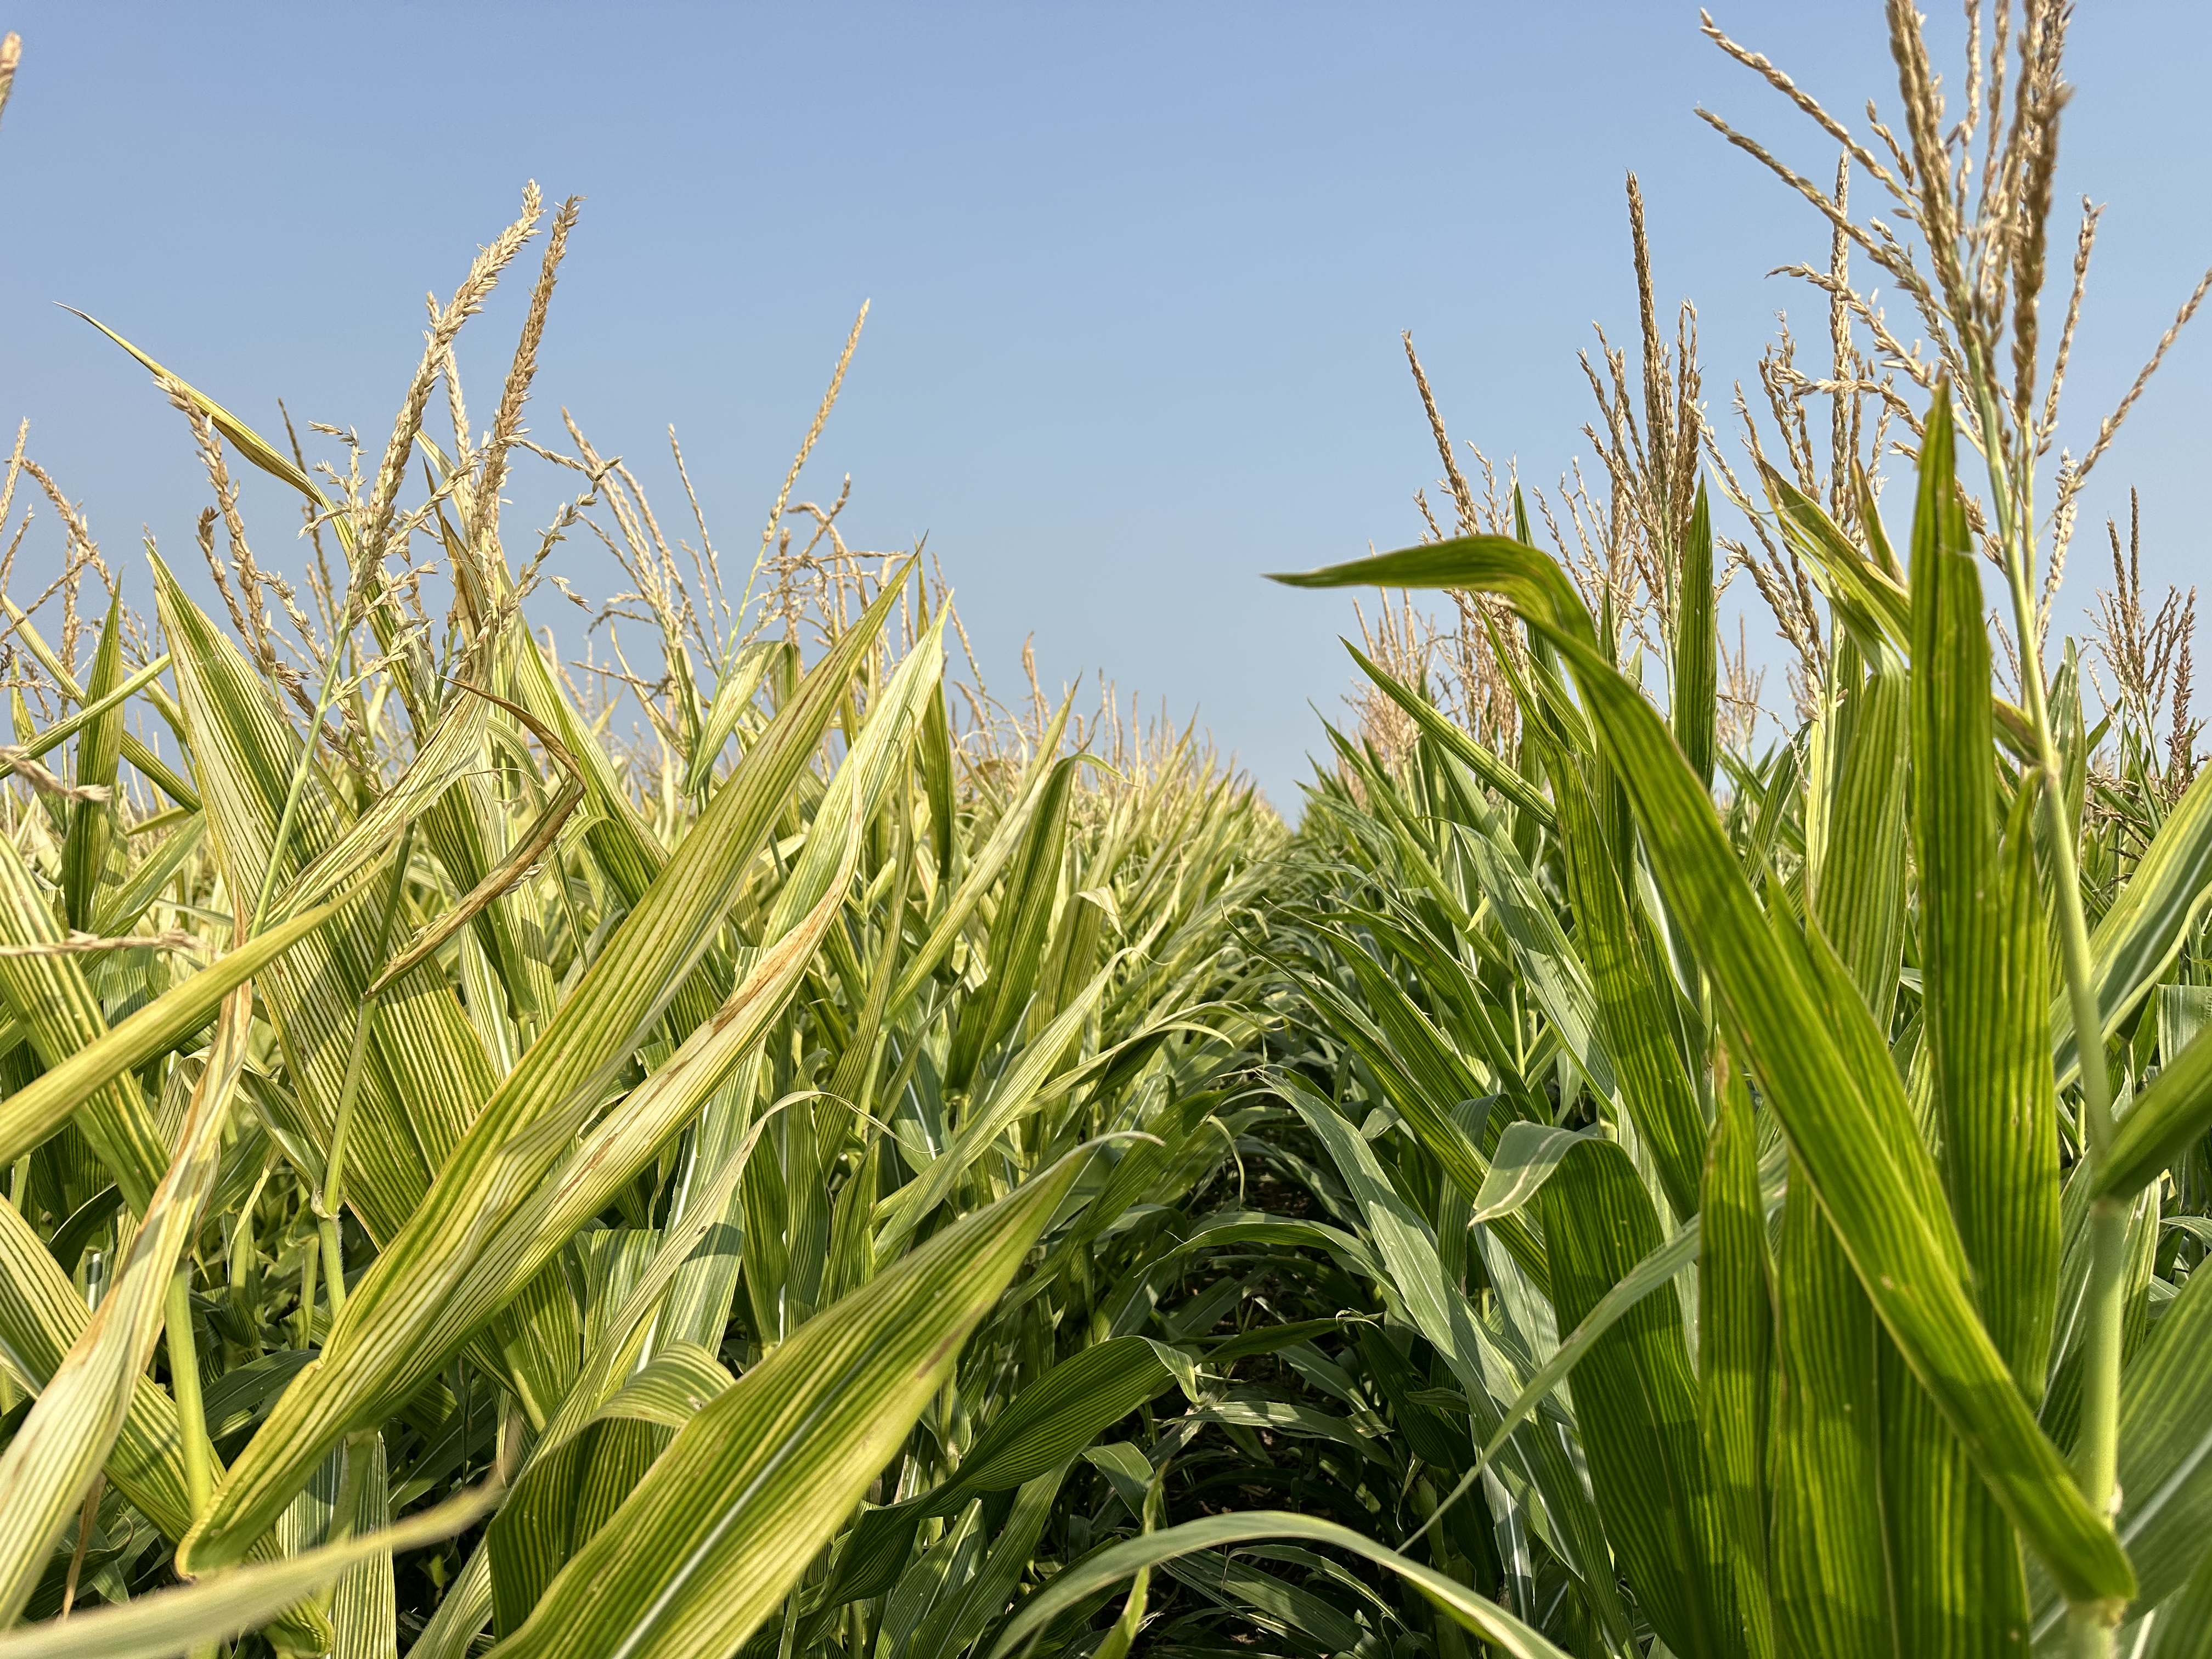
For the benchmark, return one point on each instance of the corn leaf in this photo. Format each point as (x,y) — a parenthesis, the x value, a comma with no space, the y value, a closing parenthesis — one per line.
(1469,1609)
(376,1341)
(174,1622)
(85,1403)
(731,1514)
(1637,1407)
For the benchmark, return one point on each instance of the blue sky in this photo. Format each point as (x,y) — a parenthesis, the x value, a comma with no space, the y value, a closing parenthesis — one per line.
(1138,271)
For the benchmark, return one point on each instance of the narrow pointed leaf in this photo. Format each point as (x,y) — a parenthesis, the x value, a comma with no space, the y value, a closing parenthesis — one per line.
(732,1512)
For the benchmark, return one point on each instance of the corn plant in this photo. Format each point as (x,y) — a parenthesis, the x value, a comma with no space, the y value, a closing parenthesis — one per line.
(850,1169)
(433,1130)
(1757,1242)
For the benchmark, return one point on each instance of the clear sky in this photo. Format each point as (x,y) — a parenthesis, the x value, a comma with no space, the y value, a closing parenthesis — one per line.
(1138,270)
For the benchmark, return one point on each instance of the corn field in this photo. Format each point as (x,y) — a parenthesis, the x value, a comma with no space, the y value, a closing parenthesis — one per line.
(755,1146)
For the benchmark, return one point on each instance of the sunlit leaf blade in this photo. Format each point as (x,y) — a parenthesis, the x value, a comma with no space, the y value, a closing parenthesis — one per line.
(99,748)
(1455,741)
(1049,1422)
(84,1404)
(1857,883)
(174,1622)
(1735,1352)
(36,1110)
(2166,1445)
(1636,1408)
(1831,1593)
(244,438)
(42,1320)
(1984,983)
(1635,1023)
(733,692)
(1533,584)
(426,1076)
(2135,940)
(50,998)
(2171,1113)
(1527,1155)
(735,1508)
(1869,599)
(1693,686)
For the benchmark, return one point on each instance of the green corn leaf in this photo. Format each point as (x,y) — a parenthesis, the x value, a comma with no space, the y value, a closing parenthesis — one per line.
(1637,1407)
(955,1623)
(1958,1578)
(364,1615)
(938,787)
(728,1517)
(1693,687)
(52,1000)
(1455,742)
(1019,1091)
(451,751)
(174,1622)
(671,1389)
(1870,601)
(2182,1011)
(1274,1604)
(1859,882)
(1469,1608)
(1832,1592)
(150,766)
(984,867)
(2166,1445)
(1412,1268)
(518,1228)
(98,706)
(99,748)
(1553,971)
(1528,1156)
(1533,584)
(1017,931)
(733,691)
(1736,1351)
(1633,1019)
(2137,938)
(2183,1626)
(1850,1144)
(1983,953)
(122,910)
(84,1405)
(36,1110)
(535,1531)
(879,754)
(426,1076)
(241,436)
(1049,1421)
(42,1320)
(466,1609)
(2169,1116)
(1417,1065)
